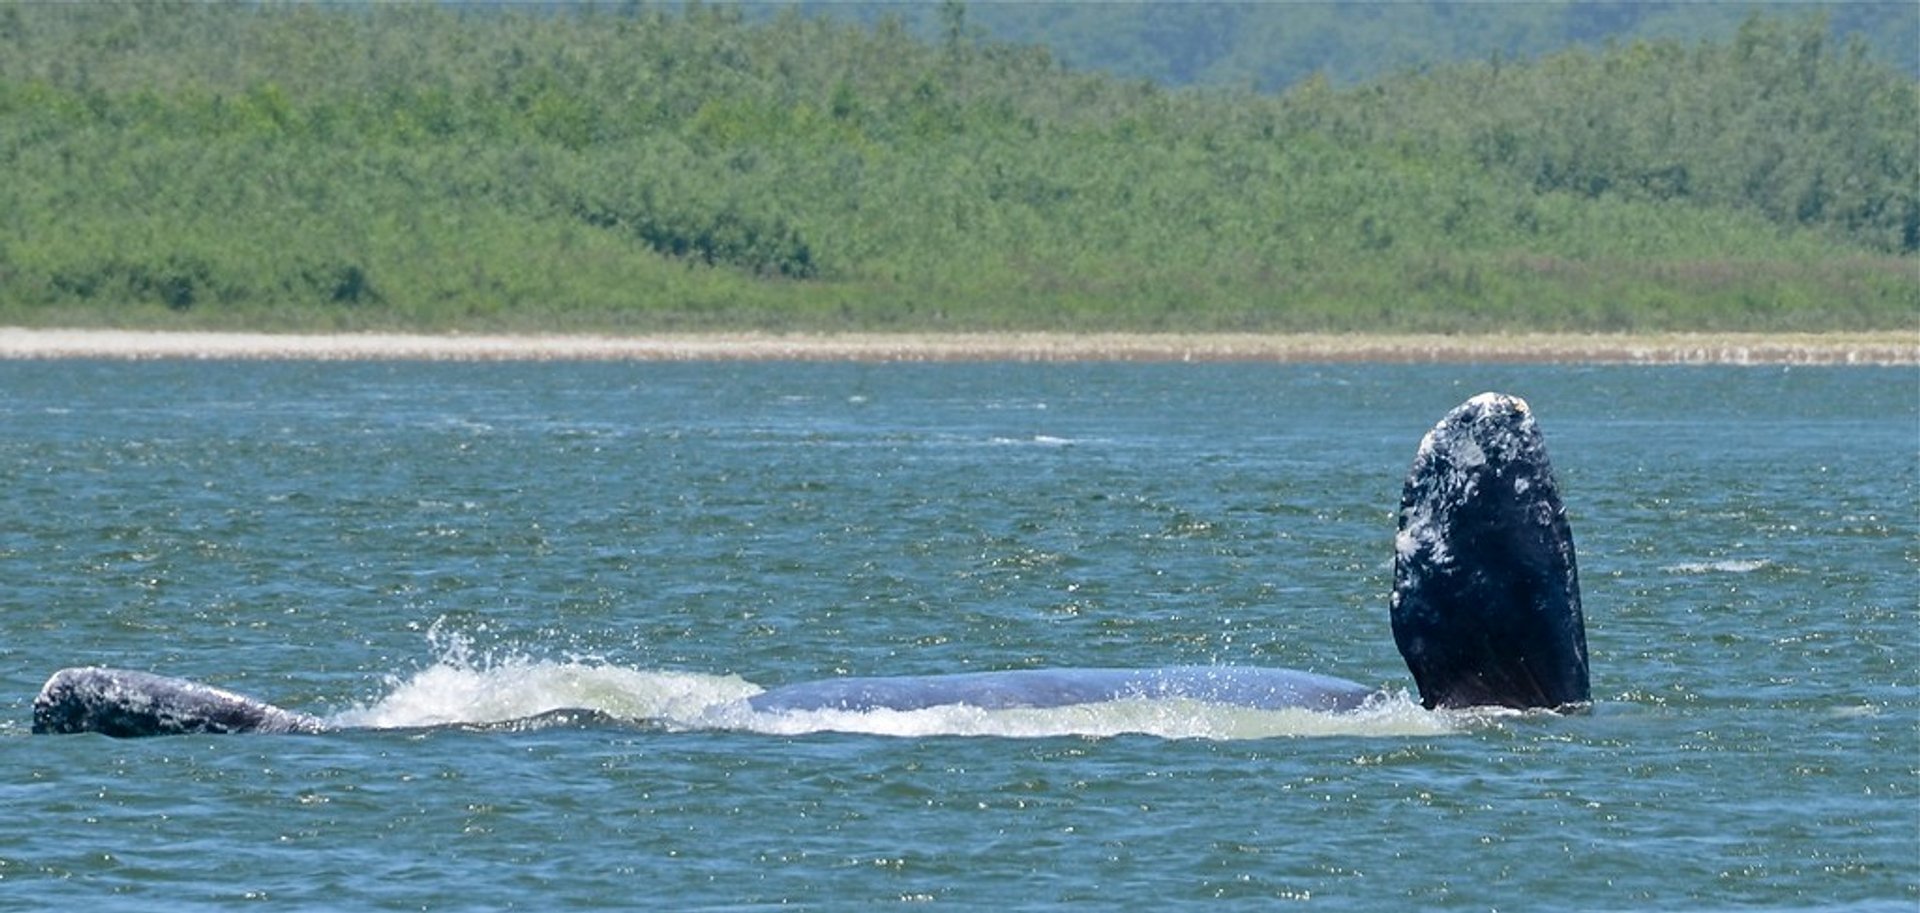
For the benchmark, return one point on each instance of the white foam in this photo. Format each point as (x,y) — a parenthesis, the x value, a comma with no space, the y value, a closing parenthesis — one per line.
(454,692)
(1038,440)
(1726,566)
(1385,716)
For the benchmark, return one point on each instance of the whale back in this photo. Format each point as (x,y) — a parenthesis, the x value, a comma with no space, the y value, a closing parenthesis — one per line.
(1486,595)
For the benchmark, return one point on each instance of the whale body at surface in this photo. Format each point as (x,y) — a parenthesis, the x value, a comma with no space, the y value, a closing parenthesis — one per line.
(1244,686)
(1485,610)
(122,702)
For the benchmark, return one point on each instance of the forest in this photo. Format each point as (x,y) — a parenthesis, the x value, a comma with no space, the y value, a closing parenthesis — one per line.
(637,169)
(1270,46)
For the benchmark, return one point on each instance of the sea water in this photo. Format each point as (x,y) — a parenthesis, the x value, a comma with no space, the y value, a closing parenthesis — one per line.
(441,551)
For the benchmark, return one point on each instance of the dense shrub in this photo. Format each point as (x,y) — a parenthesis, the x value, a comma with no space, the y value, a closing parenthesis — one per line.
(430,166)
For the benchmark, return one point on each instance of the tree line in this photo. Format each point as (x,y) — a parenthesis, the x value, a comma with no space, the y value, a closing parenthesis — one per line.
(300,166)
(1273,46)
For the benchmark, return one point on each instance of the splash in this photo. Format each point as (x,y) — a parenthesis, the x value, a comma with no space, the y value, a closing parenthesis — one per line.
(459,690)
(1395,715)
(518,689)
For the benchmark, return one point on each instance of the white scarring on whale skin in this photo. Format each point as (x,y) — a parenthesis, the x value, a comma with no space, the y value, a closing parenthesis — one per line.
(92,698)
(1486,606)
(1464,455)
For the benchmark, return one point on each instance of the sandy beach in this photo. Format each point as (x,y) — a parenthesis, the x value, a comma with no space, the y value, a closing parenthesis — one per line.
(1884,348)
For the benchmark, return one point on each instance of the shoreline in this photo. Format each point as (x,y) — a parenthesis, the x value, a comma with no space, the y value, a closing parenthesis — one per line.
(1877,348)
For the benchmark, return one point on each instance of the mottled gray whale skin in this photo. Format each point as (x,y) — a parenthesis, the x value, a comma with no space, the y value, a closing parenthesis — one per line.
(1485,608)
(125,703)
(1486,595)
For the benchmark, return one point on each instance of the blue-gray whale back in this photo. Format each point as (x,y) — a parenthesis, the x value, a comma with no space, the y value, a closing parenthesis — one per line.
(1485,608)
(1245,686)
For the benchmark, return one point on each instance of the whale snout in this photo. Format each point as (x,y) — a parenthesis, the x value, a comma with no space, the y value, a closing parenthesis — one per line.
(1486,598)
(124,703)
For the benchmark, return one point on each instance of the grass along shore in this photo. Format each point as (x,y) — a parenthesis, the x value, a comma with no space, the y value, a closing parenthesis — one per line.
(1865,348)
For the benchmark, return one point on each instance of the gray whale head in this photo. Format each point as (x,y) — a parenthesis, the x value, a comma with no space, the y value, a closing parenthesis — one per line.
(122,702)
(1486,597)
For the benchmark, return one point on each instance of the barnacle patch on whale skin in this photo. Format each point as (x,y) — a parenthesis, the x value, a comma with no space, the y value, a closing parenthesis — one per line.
(1486,605)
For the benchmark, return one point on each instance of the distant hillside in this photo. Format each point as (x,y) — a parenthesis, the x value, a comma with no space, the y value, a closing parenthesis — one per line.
(532,168)
(1272,45)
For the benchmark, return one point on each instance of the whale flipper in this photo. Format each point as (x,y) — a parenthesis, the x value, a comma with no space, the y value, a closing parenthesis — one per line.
(1486,597)
(124,703)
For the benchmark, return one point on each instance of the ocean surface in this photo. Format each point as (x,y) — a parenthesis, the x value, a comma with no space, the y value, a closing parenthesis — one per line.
(439,550)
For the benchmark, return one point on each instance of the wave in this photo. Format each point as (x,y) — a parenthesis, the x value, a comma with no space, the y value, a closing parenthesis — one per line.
(1725,566)
(529,693)
(1037,440)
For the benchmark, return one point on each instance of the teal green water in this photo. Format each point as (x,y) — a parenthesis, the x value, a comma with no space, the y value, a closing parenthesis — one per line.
(403,545)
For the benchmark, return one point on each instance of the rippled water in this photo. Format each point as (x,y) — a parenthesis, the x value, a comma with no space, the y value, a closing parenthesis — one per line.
(406,545)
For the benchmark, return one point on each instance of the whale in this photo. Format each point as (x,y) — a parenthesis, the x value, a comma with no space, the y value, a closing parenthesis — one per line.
(126,703)
(1485,610)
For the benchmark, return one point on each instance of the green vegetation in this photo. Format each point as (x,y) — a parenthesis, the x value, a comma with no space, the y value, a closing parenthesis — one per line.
(314,168)
(1272,46)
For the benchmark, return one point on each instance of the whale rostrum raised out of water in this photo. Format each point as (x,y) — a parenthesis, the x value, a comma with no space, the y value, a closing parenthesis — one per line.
(1485,608)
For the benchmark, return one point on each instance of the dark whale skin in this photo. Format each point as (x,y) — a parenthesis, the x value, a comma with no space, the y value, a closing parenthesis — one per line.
(1486,593)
